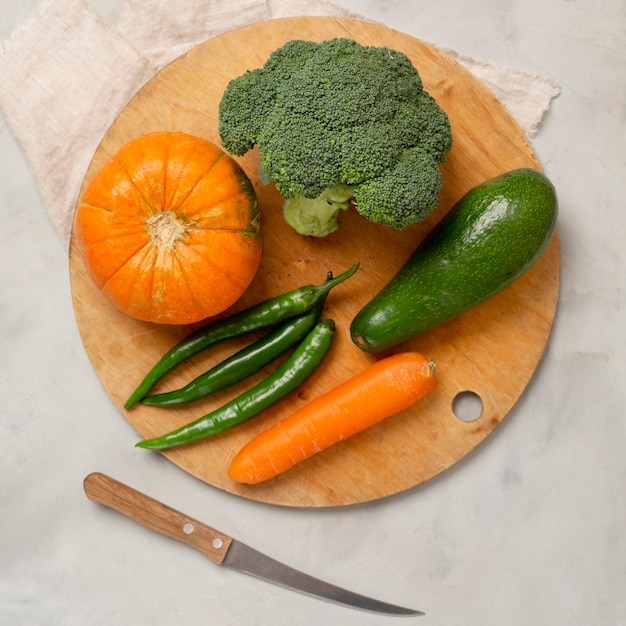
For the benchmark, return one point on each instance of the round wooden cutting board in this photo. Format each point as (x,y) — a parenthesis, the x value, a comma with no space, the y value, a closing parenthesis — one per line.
(492,350)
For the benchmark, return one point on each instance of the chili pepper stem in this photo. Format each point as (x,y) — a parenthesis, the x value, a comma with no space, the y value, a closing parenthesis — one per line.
(331,281)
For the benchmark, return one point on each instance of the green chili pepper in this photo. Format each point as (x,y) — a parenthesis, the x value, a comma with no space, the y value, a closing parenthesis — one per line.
(242,364)
(304,360)
(267,313)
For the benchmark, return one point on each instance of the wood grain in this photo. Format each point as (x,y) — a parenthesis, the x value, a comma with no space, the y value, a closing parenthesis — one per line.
(492,350)
(157,516)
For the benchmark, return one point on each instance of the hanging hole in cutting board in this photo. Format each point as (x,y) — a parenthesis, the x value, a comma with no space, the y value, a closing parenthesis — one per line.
(467,406)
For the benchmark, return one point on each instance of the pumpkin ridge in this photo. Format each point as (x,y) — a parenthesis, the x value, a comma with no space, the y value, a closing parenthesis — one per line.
(95,207)
(124,267)
(223,229)
(154,257)
(103,280)
(138,228)
(227,277)
(192,189)
(182,140)
(134,184)
(184,275)
(138,231)
(126,261)
(166,160)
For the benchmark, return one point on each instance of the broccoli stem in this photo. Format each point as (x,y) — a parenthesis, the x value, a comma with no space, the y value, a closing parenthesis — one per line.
(317,217)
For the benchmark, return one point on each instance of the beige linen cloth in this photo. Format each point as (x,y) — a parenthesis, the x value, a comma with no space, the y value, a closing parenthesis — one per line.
(65,75)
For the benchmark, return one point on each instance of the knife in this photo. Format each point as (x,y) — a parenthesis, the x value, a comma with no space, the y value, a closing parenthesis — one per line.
(221,548)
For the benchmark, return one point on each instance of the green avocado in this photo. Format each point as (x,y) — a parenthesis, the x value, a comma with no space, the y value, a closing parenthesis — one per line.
(488,239)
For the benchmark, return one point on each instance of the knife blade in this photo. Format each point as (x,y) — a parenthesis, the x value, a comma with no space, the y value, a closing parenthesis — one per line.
(220,547)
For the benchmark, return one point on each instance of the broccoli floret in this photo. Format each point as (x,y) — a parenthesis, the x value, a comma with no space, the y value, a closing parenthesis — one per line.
(340,124)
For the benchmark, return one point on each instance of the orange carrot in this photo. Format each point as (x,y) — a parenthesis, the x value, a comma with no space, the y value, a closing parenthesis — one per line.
(381,390)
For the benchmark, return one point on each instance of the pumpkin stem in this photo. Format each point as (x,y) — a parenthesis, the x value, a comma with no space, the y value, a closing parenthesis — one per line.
(165,229)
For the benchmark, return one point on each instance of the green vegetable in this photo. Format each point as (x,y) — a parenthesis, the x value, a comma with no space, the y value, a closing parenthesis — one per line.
(267,313)
(303,362)
(487,240)
(244,363)
(337,122)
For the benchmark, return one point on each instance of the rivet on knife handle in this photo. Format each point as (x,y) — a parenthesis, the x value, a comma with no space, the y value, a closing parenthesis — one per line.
(157,516)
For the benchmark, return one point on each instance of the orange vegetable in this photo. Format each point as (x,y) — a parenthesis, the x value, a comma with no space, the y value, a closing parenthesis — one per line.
(169,229)
(381,390)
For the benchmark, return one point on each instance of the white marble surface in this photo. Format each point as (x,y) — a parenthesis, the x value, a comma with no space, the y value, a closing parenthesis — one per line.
(529,529)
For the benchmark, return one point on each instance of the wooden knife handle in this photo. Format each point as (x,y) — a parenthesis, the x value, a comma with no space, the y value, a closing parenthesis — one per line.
(157,516)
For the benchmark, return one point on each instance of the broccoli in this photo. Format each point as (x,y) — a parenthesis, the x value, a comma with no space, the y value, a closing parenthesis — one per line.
(339,124)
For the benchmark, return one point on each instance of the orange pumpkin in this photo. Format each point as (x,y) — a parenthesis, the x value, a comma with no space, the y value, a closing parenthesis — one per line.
(169,229)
